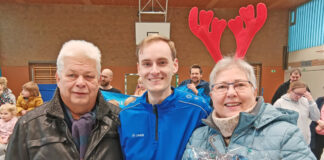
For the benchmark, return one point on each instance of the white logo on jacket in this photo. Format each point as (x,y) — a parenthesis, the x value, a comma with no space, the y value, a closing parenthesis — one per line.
(137,135)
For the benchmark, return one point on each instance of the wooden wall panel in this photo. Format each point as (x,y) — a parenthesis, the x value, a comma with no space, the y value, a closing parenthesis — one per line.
(17,76)
(37,32)
(271,81)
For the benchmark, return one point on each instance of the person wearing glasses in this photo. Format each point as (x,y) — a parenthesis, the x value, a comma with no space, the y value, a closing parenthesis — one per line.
(300,100)
(242,126)
(294,75)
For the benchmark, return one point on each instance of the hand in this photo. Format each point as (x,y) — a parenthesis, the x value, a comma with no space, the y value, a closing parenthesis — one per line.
(2,141)
(193,88)
(308,96)
(23,112)
(320,123)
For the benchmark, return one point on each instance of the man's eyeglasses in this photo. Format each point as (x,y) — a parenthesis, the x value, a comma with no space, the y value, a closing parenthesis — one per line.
(238,86)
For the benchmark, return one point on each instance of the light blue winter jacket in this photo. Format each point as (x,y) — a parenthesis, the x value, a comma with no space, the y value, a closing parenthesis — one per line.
(265,133)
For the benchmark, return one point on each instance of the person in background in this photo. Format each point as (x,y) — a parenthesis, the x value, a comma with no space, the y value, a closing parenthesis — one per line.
(242,126)
(6,95)
(300,100)
(29,98)
(158,124)
(294,75)
(317,140)
(139,91)
(196,82)
(7,123)
(140,88)
(105,81)
(77,123)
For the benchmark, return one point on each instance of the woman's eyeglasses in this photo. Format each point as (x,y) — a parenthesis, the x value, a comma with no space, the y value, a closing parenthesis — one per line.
(238,86)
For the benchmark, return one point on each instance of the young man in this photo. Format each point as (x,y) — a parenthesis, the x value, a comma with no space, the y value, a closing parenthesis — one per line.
(77,123)
(158,124)
(195,83)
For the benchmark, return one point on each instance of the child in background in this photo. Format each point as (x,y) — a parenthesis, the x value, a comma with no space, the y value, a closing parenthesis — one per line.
(7,123)
(29,98)
(140,89)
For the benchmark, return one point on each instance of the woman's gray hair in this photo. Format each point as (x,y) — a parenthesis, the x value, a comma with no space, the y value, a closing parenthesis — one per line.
(76,48)
(227,62)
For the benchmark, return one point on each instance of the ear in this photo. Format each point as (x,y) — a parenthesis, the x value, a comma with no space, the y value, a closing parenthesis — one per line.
(58,79)
(175,66)
(255,92)
(138,67)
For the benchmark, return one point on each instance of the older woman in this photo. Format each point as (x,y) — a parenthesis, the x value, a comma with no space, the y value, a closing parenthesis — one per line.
(241,125)
(300,100)
(6,95)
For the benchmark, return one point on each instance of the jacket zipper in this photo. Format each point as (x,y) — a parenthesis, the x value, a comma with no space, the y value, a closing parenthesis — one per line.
(156,122)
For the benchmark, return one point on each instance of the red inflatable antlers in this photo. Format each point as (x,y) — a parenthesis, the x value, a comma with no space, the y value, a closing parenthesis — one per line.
(243,36)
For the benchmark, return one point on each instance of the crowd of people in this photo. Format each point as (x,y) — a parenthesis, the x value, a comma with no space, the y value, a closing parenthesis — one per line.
(159,121)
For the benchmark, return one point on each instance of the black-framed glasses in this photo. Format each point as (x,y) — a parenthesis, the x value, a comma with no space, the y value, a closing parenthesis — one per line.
(237,85)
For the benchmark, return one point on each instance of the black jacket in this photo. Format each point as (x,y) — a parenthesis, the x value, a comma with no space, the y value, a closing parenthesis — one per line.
(43,134)
(283,88)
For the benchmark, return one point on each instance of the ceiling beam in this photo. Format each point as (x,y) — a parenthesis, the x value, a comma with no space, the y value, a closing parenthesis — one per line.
(287,3)
(212,4)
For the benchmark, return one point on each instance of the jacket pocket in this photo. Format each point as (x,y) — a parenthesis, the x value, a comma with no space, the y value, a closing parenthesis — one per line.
(45,141)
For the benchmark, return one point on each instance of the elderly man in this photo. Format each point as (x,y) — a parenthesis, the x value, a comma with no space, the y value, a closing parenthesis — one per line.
(159,123)
(105,81)
(295,75)
(77,123)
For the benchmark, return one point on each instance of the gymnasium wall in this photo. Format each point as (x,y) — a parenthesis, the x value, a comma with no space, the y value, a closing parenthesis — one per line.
(37,32)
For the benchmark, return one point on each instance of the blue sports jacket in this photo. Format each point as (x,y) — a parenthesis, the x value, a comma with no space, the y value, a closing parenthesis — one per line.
(160,131)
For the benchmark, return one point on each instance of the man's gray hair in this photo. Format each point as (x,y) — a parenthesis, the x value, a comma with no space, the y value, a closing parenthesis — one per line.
(227,62)
(76,48)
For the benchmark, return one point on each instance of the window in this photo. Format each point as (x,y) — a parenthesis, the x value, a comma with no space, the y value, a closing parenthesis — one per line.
(43,73)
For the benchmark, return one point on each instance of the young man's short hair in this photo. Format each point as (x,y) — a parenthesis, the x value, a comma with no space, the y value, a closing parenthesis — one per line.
(195,66)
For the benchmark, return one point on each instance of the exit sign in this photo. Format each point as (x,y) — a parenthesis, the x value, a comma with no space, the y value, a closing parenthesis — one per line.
(273,71)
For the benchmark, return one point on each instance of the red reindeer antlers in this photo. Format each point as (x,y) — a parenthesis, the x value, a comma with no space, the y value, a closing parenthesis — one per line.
(210,39)
(242,35)
(245,35)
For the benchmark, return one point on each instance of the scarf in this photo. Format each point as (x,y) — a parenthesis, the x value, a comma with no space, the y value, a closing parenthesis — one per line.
(81,130)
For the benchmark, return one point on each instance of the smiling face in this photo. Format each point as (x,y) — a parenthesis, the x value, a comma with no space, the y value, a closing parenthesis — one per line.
(232,102)
(295,76)
(78,84)
(156,67)
(195,75)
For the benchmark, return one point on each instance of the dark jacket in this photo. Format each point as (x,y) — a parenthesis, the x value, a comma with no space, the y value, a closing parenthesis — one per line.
(43,134)
(283,88)
(317,140)
(203,84)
